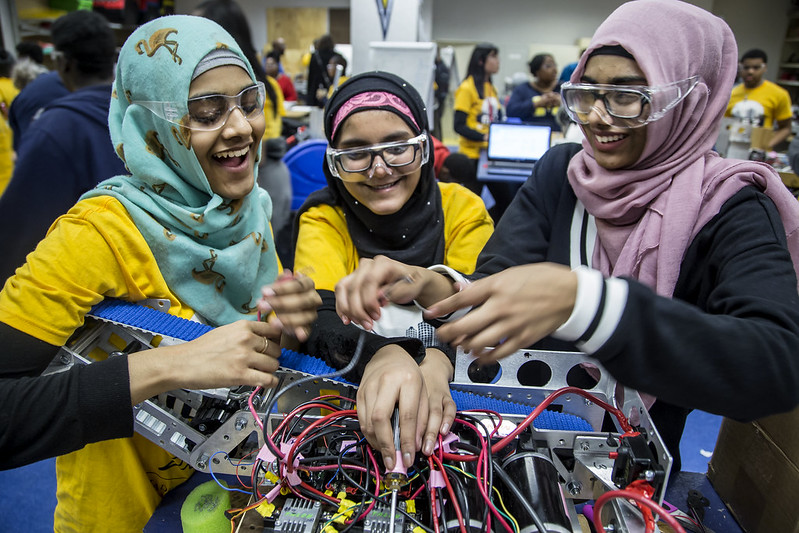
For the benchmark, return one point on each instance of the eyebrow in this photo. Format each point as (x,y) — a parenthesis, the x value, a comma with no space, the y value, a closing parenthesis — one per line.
(621,80)
(391,137)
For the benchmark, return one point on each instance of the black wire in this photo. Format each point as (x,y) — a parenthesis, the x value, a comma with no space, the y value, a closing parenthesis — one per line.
(273,400)
(463,498)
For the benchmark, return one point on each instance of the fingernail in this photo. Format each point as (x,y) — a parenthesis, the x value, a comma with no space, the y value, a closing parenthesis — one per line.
(428,447)
(407,459)
(345,319)
(444,429)
(268,291)
(277,323)
(264,306)
(389,462)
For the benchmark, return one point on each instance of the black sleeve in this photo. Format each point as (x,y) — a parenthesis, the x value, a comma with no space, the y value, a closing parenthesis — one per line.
(51,415)
(728,342)
(460,127)
(335,342)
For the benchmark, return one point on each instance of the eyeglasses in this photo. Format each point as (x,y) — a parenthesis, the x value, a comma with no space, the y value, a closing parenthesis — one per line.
(753,67)
(626,106)
(397,155)
(208,113)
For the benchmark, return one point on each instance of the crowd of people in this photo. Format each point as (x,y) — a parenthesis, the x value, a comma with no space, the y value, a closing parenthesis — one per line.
(641,246)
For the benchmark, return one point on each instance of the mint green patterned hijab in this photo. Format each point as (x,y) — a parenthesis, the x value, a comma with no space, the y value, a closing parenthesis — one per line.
(214,253)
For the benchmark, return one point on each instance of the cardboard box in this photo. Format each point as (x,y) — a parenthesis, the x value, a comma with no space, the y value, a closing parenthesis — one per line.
(755,471)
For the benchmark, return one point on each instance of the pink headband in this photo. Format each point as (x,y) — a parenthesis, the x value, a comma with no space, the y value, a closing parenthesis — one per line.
(371,99)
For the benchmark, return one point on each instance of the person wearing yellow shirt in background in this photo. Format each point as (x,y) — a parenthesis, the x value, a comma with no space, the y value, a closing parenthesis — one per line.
(7,94)
(761,100)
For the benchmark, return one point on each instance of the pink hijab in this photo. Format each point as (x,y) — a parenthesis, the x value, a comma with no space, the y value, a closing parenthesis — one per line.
(648,215)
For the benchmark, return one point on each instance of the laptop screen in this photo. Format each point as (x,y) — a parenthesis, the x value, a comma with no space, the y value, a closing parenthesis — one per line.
(508,141)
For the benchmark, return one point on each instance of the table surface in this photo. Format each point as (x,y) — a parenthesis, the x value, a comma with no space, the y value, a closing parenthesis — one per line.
(166,518)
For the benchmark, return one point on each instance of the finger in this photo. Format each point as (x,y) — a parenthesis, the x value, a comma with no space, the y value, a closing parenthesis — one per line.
(364,417)
(412,405)
(448,418)
(434,417)
(384,431)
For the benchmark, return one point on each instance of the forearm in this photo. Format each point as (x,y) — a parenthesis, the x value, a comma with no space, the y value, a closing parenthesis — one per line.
(51,415)
(779,136)
(463,130)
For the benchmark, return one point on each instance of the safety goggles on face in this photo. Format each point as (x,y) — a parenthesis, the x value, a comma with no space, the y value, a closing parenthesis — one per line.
(626,106)
(210,112)
(401,157)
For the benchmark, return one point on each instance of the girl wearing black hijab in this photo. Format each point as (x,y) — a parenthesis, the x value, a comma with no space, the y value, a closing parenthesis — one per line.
(382,200)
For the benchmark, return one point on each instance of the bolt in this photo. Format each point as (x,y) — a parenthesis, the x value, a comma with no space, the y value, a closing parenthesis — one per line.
(584,446)
(610,528)
(649,475)
(574,488)
(241,423)
(201,465)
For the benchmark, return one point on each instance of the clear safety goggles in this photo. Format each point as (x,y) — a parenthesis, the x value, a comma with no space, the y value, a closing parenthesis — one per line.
(626,106)
(399,157)
(210,112)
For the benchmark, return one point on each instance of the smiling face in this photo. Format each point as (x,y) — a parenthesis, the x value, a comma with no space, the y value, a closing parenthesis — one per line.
(228,155)
(614,147)
(386,192)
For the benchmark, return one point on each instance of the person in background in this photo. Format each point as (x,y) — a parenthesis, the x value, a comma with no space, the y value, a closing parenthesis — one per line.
(68,149)
(271,66)
(273,174)
(382,198)
(566,73)
(760,101)
(29,66)
(31,101)
(318,77)
(476,106)
(673,267)
(454,167)
(279,48)
(7,94)
(440,91)
(187,226)
(336,71)
(538,101)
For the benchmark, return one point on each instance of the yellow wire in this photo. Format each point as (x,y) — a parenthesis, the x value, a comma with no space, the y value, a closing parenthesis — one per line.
(502,503)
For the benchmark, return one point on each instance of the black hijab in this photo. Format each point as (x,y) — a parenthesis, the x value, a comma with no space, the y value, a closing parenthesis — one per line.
(413,235)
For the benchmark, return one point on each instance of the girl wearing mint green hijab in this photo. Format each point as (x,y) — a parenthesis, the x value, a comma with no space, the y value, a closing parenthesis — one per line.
(187,228)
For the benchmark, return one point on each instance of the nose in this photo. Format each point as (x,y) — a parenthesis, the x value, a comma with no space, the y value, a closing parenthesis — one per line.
(379,168)
(237,122)
(598,112)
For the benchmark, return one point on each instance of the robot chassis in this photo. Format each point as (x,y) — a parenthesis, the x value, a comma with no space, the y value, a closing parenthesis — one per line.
(575,466)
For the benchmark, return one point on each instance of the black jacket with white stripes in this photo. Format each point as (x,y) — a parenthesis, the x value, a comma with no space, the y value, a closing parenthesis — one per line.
(727,342)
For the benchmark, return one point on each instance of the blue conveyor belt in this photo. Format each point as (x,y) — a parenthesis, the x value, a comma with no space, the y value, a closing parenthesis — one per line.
(154,321)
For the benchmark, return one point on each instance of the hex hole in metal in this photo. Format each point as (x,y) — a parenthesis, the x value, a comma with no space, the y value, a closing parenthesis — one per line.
(534,374)
(579,377)
(484,374)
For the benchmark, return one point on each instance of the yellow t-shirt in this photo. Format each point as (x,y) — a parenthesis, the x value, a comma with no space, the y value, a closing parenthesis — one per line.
(775,100)
(7,94)
(112,485)
(274,121)
(480,112)
(325,249)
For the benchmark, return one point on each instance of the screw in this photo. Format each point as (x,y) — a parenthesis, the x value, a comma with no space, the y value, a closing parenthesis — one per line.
(584,446)
(241,423)
(574,488)
(649,475)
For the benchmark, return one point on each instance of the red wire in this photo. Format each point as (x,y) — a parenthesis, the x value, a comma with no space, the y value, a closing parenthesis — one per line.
(289,458)
(433,459)
(639,499)
(539,409)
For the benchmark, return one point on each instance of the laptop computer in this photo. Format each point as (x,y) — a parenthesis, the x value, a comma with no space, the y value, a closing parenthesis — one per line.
(513,147)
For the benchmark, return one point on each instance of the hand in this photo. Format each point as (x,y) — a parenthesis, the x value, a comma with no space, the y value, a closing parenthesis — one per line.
(393,378)
(378,281)
(551,99)
(517,307)
(294,301)
(437,372)
(242,353)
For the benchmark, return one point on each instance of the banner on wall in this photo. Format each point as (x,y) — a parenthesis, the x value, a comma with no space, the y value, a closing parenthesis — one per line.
(384,11)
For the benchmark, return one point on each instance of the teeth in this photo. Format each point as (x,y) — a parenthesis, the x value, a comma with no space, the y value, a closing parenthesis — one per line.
(609,138)
(233,153)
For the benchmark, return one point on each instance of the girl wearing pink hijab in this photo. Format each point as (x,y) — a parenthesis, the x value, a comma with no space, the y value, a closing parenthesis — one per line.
(673,267)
